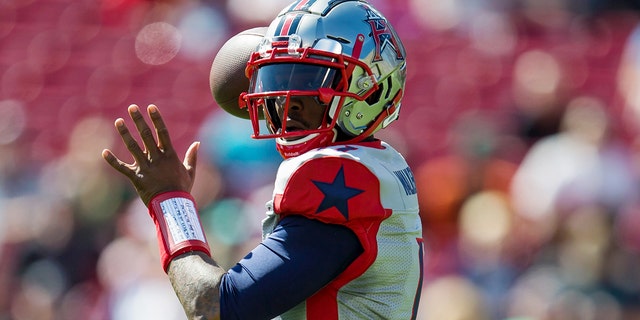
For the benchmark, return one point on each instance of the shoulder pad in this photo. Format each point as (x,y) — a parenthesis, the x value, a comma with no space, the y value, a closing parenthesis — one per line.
(333,190)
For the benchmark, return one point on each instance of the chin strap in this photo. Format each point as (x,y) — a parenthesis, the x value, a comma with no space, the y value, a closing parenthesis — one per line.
(178,225)
(319,140)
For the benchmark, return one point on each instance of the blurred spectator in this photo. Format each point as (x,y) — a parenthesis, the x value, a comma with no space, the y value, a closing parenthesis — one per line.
(569,191)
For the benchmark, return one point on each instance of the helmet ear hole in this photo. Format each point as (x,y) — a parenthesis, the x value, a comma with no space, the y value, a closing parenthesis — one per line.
(375,96)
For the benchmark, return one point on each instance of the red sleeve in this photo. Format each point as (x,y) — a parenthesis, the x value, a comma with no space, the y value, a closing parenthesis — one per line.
(332,190)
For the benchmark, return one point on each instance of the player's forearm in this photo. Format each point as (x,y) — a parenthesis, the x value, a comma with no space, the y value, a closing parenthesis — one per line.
(185,254)
(196,280)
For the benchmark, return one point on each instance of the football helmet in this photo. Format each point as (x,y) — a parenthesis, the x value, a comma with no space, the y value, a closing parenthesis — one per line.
(344,55)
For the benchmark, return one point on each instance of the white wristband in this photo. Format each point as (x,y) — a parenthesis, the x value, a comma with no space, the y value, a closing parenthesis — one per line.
(178,225)
(182,220)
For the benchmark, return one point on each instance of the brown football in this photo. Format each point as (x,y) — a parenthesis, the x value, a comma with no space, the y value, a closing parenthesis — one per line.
(227,76)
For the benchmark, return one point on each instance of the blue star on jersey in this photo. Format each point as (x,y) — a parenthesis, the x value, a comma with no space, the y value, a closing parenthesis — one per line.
(336,194)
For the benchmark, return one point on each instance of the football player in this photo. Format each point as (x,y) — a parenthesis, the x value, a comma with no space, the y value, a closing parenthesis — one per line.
(342,237)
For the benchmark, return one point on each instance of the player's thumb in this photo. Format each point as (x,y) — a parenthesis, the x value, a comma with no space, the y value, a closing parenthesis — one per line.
(191,159)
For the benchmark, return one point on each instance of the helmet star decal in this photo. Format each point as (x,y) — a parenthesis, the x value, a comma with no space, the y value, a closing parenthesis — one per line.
(336,194)
(382,35)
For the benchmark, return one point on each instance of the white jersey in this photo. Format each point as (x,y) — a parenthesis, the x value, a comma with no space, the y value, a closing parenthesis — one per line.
(369,188)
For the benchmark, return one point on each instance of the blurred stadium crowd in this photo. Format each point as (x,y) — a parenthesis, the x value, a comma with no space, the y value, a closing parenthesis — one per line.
(520,121)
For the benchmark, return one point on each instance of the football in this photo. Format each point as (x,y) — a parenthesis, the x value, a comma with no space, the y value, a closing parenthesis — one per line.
(227,76)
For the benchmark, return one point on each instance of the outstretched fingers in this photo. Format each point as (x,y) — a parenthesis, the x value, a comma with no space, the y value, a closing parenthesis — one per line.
(145,132)
(118,164)
(130,142)
(164,140)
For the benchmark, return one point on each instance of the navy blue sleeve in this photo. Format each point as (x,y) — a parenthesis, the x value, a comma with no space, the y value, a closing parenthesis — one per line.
(300,257)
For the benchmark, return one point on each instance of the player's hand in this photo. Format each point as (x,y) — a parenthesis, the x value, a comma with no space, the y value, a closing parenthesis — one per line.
(156,167)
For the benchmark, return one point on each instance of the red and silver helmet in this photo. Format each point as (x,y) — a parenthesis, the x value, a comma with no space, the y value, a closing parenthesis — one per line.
(342,53)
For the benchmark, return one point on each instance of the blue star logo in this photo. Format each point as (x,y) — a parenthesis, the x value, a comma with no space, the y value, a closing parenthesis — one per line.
(336,194)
